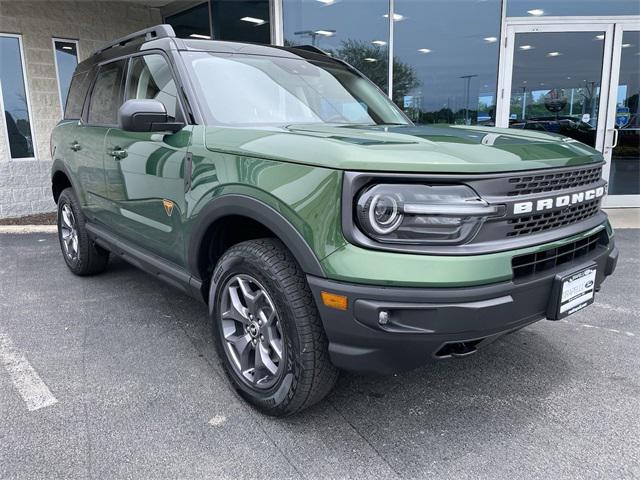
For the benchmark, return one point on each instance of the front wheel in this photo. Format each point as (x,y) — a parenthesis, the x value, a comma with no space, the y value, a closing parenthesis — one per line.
(267,329)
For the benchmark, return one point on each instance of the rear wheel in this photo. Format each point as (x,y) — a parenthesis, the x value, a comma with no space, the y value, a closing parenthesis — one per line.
(268,332)
(80,254)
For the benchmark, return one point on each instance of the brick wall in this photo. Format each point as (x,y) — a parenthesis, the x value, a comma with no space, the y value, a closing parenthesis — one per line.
(25,184)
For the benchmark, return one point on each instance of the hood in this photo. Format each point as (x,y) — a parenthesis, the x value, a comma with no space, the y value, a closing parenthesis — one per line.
(419,149)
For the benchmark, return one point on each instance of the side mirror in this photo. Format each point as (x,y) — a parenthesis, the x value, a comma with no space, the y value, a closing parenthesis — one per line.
(146,116)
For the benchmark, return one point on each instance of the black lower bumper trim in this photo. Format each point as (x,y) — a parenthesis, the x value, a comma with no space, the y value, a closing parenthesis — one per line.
(389,329)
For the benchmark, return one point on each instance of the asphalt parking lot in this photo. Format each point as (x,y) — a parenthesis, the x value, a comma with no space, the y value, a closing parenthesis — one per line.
(136,391)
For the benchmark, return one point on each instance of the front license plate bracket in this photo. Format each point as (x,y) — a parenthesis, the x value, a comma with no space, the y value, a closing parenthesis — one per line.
(571,292)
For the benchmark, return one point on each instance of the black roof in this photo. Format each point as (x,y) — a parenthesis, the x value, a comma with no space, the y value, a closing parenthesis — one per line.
(163,37)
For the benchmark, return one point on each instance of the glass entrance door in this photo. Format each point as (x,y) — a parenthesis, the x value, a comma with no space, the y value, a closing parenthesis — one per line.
(578,79)
(622,150)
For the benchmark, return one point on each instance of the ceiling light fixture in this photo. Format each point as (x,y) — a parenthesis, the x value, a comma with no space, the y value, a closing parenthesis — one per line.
(600,37)
(526,47)
(554,54)
(491,39)
(626,45)
(254,20)
(380,43)
(424,50)
(536,12)
(197,35)
(325,33)
(327,2)
(396,17)
(67,47)
(370,60)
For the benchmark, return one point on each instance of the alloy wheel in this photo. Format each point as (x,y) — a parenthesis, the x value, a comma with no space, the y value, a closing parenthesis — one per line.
(69,232)
(253,338)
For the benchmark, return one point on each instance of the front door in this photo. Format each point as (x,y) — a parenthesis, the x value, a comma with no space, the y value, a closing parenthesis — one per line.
(145,171)
(562,77)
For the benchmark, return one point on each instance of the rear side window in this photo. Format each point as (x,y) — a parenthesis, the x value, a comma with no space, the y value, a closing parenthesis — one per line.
(150,78)
(106,96)
(77,93)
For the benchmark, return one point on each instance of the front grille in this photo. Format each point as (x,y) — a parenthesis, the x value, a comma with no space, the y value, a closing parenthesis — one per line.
(551,182)
(524,265)
(541,222)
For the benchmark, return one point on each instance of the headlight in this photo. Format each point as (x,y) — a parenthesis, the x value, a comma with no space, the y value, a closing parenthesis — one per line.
(422,214)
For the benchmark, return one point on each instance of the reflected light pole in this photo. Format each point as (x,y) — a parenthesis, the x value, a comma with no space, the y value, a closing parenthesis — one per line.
(314,34)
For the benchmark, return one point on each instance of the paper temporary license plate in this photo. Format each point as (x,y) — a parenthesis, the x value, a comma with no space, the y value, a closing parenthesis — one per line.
(577,290)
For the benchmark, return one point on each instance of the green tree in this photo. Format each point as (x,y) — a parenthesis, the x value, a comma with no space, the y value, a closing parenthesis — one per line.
(373,61)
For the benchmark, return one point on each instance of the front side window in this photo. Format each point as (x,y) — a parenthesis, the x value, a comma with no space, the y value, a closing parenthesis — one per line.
(66,54)
(106,96)
(150,78)
(261,90)
(14,98)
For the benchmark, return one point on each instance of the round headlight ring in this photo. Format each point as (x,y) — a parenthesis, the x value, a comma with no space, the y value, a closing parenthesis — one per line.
(384,214)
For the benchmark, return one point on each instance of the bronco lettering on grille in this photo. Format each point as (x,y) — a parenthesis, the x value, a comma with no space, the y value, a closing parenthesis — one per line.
(557,202)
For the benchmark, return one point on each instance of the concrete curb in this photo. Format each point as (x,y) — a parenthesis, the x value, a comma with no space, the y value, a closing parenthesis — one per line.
(28,229)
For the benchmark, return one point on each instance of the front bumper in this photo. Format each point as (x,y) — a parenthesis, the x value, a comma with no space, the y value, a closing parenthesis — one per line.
(426,324)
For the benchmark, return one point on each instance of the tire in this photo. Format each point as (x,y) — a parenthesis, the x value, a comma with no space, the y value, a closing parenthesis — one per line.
(81,255)
(294,340)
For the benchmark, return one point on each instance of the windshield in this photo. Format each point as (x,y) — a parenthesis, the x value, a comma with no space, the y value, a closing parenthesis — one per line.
(259,90)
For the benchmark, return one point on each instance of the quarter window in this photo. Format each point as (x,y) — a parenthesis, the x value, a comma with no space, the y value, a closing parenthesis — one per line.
(107,94)
(14,98)
(150,78)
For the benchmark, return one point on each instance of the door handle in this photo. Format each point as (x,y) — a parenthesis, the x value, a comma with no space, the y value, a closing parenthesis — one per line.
(75,146)
(616,132)
(118,153)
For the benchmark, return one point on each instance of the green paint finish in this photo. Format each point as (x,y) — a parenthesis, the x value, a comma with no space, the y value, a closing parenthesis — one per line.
(308,197)
(357,265)
(436,149)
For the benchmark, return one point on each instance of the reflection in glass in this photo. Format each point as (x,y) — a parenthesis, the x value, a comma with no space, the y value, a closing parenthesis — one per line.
(150,78)
(555,84)
(193,22)
(66,61)
(353,30)
(446,63)
(543,8)
(16,110)
(241,20)
(625,157)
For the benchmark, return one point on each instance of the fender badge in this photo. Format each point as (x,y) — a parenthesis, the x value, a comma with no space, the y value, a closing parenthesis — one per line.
(168,206)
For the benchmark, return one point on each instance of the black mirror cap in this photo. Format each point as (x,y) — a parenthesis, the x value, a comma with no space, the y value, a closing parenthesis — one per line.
(146,115)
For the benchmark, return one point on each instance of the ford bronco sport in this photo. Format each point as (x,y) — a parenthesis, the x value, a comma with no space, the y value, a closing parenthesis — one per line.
(321,227)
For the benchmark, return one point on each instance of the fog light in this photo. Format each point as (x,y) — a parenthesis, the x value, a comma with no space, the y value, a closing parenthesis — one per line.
(333,300)
(383,317)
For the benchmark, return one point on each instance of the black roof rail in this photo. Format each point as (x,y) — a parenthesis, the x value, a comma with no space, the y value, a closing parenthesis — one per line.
(311,48)
(159,31)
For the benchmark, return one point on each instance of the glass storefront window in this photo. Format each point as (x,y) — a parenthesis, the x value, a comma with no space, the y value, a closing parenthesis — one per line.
(446,65)
(242,21)
(625,157)
(193,22)
(553,8)
(356,31)
(14,99)
(66,53)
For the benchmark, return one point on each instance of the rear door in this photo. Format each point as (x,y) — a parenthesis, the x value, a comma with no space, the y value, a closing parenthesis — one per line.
(89,138)
(145,171)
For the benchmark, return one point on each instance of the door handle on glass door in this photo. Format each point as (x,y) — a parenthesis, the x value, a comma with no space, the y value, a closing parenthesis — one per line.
(615,138)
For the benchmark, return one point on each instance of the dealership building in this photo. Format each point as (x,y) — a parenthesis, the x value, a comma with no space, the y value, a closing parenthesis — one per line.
(564,66)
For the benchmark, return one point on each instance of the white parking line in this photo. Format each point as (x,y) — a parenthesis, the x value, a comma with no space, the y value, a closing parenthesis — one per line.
(33,390)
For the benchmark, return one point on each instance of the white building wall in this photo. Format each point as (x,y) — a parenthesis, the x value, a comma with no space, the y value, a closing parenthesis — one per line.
(25,185)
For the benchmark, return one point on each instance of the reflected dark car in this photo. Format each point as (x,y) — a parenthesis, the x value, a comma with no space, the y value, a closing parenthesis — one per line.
(568,126)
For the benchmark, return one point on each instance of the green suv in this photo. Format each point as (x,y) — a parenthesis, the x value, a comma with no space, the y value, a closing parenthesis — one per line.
(322,228)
